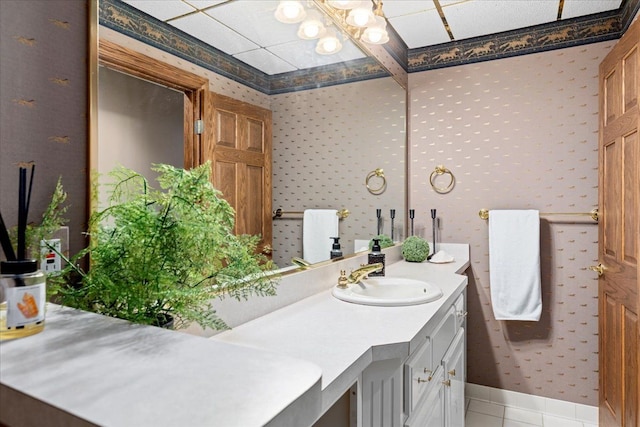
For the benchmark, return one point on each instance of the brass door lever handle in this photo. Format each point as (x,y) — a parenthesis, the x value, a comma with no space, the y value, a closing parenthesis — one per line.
(598,269)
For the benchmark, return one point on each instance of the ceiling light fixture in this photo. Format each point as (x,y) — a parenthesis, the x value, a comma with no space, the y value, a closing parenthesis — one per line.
(312,27)
(362,20)
(329,44)
(377,32)
(290,12)
(358,18)
(361,16)
(343,4)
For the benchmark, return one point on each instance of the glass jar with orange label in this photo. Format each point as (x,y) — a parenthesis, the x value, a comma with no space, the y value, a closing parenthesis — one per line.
(22,299)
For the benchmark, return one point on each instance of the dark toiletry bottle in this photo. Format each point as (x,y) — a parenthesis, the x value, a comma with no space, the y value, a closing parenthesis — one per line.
(376,256)
(336,252)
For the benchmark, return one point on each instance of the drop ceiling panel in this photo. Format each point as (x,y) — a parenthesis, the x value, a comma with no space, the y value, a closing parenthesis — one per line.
(575,8)
(421,29)
(301,53)
(210,31)
(161,9)
(480,17)
(265,61)
(255,20)
(201,4)
(396,8)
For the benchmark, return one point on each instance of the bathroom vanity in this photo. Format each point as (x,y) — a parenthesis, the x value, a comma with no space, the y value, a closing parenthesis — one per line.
(400,365)
(393,365)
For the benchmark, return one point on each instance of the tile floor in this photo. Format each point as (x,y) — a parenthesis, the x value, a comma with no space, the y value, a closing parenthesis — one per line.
(493,407)
(488,414)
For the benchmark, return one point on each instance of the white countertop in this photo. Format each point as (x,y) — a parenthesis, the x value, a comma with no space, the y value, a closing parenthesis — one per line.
(88,369)
(113,373)
(344,338)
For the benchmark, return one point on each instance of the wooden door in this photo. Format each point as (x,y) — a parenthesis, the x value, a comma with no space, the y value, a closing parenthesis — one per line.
(619,233)
(238,143)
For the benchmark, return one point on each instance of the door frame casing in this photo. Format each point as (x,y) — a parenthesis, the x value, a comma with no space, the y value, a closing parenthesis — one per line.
(194,87)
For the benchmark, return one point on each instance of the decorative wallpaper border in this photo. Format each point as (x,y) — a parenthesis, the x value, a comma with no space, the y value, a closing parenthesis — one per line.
(126,19)
(540,38)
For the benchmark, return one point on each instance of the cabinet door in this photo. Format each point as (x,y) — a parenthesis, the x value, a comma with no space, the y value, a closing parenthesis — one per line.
(454,373)
(417,376)
(443,334)
(430,410)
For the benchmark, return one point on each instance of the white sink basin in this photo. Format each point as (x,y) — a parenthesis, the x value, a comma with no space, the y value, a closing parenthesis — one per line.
(388,291)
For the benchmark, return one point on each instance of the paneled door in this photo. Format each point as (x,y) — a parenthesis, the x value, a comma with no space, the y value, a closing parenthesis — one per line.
(238,143)
(619,233)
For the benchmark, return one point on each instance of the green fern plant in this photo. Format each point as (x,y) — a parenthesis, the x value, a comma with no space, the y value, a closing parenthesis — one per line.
(167,252)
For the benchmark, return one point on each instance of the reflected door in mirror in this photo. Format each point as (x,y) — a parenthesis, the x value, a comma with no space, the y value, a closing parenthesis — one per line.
(238,143)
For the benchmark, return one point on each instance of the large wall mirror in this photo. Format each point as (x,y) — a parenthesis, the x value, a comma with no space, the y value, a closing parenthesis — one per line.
(326,140)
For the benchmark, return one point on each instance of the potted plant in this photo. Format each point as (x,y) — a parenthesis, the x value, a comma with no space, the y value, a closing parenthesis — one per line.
(162,254)
(415,249)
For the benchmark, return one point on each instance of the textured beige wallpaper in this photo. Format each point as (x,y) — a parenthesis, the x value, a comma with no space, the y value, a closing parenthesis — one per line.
(43,105)
(519,133)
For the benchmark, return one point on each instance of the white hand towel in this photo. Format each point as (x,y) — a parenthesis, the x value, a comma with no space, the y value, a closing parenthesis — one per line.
(514,264)
(318,227)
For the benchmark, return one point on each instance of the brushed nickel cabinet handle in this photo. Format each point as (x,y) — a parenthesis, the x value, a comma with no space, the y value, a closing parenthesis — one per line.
(452,372)
(447,383)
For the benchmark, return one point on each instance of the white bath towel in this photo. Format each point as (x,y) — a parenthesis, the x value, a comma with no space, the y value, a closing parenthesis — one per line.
(318,226)
(514,264)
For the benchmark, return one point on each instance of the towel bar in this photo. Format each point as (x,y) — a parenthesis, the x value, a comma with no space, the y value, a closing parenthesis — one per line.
(342,213)
(484,214)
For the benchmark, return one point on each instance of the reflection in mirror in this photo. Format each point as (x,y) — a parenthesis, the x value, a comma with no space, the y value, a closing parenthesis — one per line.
(326,140)
(142,122)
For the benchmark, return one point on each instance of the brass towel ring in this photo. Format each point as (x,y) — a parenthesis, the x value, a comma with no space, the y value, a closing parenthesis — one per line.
(380,174)
(441,170)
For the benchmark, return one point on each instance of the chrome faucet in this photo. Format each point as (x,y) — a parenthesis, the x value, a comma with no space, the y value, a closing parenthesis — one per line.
(358,274)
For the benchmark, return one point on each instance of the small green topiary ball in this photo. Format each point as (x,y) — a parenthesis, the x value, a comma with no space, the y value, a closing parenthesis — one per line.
(415,249)
(385,241)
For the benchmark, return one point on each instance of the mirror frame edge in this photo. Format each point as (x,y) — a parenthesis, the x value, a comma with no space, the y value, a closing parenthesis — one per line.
(92,132)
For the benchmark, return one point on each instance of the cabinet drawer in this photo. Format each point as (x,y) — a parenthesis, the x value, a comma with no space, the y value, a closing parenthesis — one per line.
(417,375)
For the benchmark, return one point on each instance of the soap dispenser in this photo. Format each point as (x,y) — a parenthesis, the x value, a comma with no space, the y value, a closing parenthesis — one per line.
(336,252)
(376,256)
